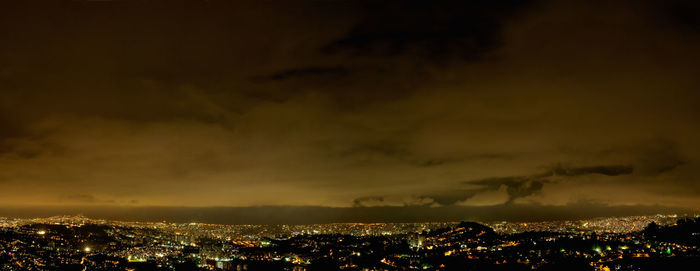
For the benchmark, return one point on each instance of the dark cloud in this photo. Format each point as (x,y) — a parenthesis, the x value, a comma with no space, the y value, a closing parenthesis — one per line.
(323,103)
(361,202)
(615,170)
(307,72)
(447,198)
(371,152)
(523,186)
(84,199)
(515,186)
(396,151)
(466,29)
(682,13)
(660,156)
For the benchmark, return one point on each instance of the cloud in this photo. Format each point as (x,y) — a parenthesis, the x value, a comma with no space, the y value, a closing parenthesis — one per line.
(434,30)
(615,170)
(306,72)
(500,196)
(680,13)
(516,187)
(659,156)
(84,199)
(377,201)
(505,190)
(394,151)
(419,103)
(365,201)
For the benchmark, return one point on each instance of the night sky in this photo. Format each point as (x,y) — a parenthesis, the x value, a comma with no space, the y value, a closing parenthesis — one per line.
(431,109)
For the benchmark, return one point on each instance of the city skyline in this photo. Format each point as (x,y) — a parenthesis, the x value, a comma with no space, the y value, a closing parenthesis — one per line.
(323,111)
(603,244)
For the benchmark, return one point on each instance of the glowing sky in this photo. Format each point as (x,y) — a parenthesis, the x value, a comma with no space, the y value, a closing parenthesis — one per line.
(350,103)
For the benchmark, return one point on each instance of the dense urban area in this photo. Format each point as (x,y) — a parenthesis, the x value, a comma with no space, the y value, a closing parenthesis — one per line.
(617,243)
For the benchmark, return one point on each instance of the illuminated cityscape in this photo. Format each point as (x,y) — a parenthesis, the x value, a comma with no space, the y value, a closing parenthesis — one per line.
(81,243)
(354,135)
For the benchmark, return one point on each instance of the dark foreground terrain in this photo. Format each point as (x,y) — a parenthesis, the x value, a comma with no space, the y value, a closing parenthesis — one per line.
(84,244)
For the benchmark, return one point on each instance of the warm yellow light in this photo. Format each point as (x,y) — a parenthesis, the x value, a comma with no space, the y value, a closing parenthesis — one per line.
(41,232)
(87,249)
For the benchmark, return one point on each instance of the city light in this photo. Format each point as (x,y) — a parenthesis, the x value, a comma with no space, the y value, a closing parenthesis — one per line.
(599,242)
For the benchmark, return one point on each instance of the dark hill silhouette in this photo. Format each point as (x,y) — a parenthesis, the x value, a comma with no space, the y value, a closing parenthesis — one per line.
(685,231)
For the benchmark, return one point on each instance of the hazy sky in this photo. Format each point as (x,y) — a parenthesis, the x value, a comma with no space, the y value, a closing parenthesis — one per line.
(350,103)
